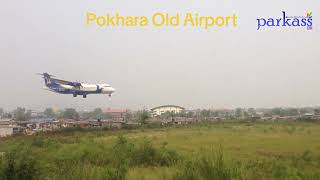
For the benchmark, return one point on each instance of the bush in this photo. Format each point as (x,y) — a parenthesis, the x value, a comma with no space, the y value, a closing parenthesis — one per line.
(38,141)
(85,171)
(307,156)
(188,171)
(82,158)
(19,164)
(208,165)
(146,154)
(168,157)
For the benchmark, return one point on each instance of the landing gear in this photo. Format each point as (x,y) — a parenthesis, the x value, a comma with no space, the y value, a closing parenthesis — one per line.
(109,95)
(84,96)
(74,95)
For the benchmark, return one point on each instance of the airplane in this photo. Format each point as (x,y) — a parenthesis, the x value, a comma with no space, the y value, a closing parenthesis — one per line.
(74,88)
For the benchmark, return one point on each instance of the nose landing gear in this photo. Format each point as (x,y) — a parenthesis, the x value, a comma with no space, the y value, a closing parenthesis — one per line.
(84,96)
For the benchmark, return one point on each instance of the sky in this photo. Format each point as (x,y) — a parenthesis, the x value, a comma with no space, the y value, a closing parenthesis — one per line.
(190,67)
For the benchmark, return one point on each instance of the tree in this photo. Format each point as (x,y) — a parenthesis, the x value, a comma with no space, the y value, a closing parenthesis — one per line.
(190,114)
(181,114)
(205,113)
(143,117)
(252,112)
(169,114)
(277,111)
(215,114)
(7,115)
(1,111)
(292,112)
(267,114)
(128,116)
(97,113)
(317,111)
(20,114)
(238,112)
(70,113)
(49,113)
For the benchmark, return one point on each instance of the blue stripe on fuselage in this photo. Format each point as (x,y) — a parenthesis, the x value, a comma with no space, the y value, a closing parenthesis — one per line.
(59,89)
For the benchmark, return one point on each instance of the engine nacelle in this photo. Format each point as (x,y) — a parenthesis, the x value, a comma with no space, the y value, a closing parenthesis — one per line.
(88,87)
(67,86)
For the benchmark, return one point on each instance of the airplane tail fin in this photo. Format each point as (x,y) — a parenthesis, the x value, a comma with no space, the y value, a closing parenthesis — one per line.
(47,77)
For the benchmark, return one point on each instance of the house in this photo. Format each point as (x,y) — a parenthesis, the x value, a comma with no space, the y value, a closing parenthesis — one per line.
(8,128)
(7,122)
(116,114)
(73,123)
(181,120)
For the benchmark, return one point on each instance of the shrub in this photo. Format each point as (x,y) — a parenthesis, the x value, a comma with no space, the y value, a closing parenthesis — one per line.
(115,173)
(307,156)
(187,172)
(208,165)
(212,166)
(19,164)
(82,158)
(145,154)
(279,170)
(38,141)
(167,157)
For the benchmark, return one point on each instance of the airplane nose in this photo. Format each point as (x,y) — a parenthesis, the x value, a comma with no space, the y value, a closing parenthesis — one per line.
(112,89)
(109,90)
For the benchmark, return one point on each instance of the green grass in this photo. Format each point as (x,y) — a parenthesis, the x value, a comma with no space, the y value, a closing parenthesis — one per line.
(202,151)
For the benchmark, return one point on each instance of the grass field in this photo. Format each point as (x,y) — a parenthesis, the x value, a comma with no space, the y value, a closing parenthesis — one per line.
(202,151)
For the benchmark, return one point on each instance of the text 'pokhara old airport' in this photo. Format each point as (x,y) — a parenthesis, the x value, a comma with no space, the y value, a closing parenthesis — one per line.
(161,19)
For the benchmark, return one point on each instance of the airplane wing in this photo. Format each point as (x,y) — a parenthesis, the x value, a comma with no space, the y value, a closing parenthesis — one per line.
(48,77)
(74,84)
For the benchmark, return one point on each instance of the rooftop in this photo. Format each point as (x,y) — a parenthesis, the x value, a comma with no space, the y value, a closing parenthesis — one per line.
(167,106)
(108,110)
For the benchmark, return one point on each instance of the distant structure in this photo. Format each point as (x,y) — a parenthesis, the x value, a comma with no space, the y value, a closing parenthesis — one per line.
(116,113)
(157,111)
(8,128)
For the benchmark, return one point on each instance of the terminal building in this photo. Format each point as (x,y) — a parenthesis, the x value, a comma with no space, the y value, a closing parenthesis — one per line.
(157,111)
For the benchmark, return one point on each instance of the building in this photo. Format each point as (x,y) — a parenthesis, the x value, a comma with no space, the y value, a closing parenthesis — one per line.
(116,114)
(8,128)
(157,111)
(36,114)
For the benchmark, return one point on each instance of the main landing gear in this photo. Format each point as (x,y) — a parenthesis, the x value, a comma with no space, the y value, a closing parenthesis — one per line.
(84,96)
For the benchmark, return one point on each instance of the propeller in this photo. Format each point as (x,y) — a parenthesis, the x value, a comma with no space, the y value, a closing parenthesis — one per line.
(46,75)
(77,84)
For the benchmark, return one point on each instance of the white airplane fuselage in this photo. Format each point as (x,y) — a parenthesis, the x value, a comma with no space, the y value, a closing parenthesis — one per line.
(75,88)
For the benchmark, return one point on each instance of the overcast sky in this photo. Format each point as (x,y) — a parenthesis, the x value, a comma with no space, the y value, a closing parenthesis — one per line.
(194,68)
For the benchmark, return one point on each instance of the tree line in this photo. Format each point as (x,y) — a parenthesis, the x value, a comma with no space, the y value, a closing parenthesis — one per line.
(22,114)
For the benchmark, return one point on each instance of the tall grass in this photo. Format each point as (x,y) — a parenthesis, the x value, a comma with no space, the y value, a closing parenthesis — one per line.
(113,155)
(90,160)
(19,164)
(210,164)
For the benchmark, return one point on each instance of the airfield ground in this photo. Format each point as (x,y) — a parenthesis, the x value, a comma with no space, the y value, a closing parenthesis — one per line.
(202,151)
